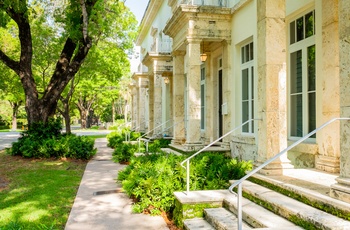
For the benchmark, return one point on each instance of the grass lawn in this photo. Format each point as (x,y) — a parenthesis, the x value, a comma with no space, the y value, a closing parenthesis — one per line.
(37,193)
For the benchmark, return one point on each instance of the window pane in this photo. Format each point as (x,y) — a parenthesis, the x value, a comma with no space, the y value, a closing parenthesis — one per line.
(292,32)
(311,68)
(296,115)
(246,53)
(251,49)
(202,73)
(312,112)
(252,116)
(245,85)
(202,106)
(300,29)
(242,52)
(296,71)
(309,24)
(245,116)
(252,83)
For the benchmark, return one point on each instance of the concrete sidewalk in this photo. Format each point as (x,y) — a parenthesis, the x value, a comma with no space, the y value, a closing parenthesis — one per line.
(98,204)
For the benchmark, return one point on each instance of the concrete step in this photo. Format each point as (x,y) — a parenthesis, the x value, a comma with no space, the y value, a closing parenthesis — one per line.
(171,151)
(197,224)
(290,208)
(314,189)
(222,219)
(256,215)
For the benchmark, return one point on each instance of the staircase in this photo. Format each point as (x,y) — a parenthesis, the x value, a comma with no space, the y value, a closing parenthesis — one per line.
(271,202)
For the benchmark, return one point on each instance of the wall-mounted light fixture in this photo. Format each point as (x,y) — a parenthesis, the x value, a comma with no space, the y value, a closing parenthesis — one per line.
(166,80)
(204,56)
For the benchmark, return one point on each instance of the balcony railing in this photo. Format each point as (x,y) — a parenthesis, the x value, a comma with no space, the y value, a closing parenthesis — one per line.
(219,3)
(162,46)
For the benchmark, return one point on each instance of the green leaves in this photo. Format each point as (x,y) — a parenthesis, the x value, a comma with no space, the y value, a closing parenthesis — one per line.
(153,179)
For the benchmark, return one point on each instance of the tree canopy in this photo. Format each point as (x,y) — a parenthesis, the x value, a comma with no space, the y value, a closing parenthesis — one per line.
(50,39)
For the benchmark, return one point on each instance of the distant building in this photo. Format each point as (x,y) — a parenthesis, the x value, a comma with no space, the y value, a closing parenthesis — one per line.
(284,63)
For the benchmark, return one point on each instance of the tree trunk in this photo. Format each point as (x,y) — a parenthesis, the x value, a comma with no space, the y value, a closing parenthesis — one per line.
(84,117)
(15,107)
(68,64)
(67,121)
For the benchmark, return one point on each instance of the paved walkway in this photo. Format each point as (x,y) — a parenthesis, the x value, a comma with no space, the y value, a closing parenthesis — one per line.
(98,206)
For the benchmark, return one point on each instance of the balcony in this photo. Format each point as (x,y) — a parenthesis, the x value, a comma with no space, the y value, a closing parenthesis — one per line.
(161,46)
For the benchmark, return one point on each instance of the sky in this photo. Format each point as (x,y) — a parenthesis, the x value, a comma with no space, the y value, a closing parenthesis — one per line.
(138,7)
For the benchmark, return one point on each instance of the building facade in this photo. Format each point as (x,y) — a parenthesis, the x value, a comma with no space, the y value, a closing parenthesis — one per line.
(274,70)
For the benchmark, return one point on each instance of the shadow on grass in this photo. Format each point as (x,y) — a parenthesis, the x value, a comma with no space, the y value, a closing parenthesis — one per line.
(40,193)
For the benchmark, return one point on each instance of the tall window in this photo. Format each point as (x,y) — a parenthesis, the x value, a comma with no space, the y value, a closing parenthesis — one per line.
(302,89)
(203,97)
(247,70)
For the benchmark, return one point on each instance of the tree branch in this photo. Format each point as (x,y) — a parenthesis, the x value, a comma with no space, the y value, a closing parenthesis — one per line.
(12,64)
(85,20)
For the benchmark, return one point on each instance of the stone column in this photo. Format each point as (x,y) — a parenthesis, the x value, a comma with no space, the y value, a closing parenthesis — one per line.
(157,110)
(135,109)
(329,147)
(341,190)
(227,85)
(178,85)
(193,131)
(272,103)
(150,103)
(142,105)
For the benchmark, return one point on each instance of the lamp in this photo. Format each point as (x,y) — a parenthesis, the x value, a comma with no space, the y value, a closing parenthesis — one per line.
(204,56)
(166,80)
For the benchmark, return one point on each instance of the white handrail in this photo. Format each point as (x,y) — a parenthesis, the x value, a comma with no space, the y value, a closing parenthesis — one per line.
(239,182)
(151,131)
(171,126)
(187,167)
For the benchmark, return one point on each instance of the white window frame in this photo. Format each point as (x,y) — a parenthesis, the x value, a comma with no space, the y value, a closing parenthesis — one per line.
(248,65)
(302,46)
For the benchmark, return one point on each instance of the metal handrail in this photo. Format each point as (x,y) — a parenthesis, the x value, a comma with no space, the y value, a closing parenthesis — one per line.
(139,139)
(187,167)
(171,126)
(240,181)
(127,135)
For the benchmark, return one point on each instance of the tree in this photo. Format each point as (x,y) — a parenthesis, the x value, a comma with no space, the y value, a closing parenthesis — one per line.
(76,26)
(99,79)
(10,86)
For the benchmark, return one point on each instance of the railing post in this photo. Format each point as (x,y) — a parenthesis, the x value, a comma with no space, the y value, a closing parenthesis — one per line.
(239,207)
(188,176)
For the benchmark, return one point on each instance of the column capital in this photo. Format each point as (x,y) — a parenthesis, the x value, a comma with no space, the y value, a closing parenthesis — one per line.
(191,40)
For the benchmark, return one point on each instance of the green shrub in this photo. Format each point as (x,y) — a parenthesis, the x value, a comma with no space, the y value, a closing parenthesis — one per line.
(116,138)
(152,179)
(43,141)
(156,145)
(124,152)
(79,147)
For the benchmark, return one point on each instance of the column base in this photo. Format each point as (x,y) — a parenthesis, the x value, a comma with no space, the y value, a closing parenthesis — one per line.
(341,190)
(275,169)
(193,146)
(178,141)
(328,164)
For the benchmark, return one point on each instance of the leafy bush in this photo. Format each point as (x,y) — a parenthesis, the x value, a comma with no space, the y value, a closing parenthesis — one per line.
(152,179)
(79,147)
(43,141)
(123,152)
(116,138)
(157,145)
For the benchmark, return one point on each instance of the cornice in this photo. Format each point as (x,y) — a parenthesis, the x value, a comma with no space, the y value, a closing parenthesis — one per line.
(147,20)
